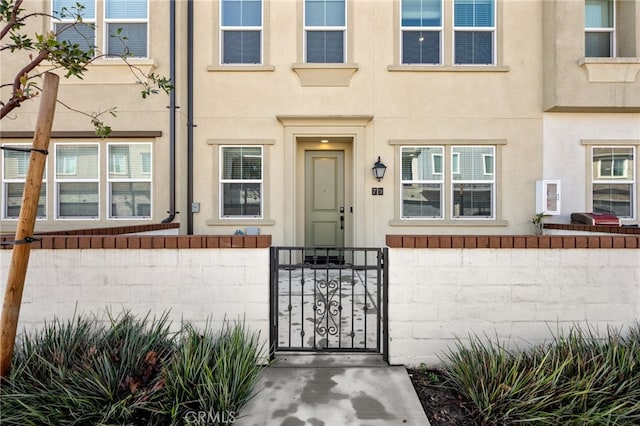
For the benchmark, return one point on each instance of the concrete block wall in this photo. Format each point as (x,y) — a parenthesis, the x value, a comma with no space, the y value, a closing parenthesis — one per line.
(520,296)
(197,285)
(520,289)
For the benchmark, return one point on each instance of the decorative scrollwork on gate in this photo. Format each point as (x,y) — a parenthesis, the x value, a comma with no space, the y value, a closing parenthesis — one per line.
(327,307)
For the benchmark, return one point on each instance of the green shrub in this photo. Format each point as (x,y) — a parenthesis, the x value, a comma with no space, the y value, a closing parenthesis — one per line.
(579,379)
(212,372)
(130,371)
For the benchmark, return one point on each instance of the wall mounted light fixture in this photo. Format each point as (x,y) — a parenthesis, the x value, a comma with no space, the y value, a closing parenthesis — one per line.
(378,169)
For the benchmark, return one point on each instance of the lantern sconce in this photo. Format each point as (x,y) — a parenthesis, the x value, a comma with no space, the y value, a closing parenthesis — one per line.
(379,169)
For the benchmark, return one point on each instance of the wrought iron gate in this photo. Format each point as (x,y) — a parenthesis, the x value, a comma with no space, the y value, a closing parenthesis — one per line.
(332,300)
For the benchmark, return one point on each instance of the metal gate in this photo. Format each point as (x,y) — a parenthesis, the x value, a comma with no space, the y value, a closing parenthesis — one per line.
(329,299)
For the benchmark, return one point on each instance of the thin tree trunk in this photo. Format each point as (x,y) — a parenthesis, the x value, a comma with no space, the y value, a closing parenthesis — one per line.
(26,222)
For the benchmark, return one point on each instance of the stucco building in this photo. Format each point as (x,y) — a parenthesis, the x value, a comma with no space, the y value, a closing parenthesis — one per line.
(281,109)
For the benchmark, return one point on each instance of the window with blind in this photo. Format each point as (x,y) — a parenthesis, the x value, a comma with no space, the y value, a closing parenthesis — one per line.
(129,180)
(77,181)
(474,29)
(599,24)
(241,31)
(613,180)
(422,181)
(421,31)
(126,23)
(14,166)
(241,181)
(473,187)
(469,172)
(325,31)
(83,34)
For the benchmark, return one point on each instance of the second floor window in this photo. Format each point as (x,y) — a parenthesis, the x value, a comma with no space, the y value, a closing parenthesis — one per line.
(241,31)
(125,26)
(65,13)
(474,28)
(325,31)
(599,26)
(421,27)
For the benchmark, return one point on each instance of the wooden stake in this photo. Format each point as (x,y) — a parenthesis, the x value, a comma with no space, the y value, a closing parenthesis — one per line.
(26,222)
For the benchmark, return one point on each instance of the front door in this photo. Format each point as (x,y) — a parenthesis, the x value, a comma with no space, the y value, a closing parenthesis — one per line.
(324,199)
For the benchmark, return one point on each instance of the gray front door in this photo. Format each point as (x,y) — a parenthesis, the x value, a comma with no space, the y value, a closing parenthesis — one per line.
(324,198)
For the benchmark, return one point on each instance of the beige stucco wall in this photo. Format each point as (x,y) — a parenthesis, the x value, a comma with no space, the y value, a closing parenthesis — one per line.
(402,103)
(575,83)
(369,107)
(107,83)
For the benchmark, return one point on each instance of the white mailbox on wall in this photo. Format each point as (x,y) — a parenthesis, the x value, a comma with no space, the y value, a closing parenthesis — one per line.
(548,197)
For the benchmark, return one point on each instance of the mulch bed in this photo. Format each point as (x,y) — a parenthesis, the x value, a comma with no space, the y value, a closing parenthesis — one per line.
(443,406)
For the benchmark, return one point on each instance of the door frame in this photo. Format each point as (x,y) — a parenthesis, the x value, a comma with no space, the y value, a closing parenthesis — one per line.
(343,144)
(299,131)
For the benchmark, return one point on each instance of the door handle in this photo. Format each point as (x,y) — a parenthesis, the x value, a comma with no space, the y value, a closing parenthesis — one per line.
(341,221)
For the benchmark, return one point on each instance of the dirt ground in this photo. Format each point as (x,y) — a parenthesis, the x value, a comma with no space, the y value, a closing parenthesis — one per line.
(443,406)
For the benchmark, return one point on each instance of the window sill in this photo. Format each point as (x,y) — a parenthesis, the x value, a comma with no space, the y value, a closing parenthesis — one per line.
(611,70)
(449,222)
(241,68)
(240,222)
(448,68)
(107,71)
(324,75)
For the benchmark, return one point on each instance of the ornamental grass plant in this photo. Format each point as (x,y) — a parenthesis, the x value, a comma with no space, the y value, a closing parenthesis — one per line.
(129,370)
(212,372)
(577,379)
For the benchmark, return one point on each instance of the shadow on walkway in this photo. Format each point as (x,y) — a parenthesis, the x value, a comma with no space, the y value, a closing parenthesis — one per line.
(333,390)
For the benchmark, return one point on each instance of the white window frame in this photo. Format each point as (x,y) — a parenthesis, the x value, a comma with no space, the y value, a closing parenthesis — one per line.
(439,29)
(111,180)
(223,181)
(612,179)
(484,164)
(440,182)
(57,182)
(69,166)
(433,162)
(21,178)
(307,28)
(108,22)
(493,30)
(455,163)
(610,30)
(492,182)
(224,28)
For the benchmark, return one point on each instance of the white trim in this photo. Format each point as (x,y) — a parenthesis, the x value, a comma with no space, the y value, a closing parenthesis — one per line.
(222,181)
(56,192)
(145,177)
(105,29)
(342,28)
(493,29)
(222,28)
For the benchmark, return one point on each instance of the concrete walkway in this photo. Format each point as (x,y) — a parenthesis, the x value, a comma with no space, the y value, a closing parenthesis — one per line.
(333,390)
